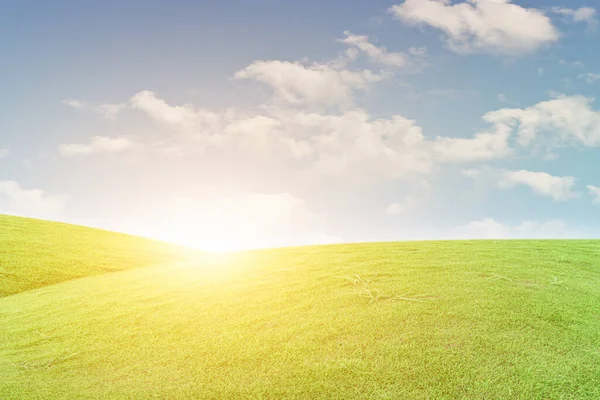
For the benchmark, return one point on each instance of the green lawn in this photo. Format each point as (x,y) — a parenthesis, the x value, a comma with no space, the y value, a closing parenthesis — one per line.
(36,253)
(493,320)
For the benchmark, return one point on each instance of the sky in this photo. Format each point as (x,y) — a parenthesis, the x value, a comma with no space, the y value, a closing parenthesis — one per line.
(243,124)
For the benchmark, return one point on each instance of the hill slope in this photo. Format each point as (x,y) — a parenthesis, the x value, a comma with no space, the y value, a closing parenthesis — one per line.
(36,253)
(494,320)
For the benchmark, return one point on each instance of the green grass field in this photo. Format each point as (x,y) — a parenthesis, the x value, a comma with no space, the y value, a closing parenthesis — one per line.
(428,320)
(36,253)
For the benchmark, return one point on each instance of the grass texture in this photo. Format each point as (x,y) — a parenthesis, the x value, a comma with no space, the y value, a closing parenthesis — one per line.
(428,320)
(36,253)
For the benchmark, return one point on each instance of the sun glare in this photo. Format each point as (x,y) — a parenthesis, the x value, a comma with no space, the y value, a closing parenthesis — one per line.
(214,239)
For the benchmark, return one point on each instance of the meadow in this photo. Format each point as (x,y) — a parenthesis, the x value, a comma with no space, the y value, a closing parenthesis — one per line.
(89,314)
(36,253)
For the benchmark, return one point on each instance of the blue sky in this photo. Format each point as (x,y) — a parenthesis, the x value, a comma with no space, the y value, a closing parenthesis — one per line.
(236,124)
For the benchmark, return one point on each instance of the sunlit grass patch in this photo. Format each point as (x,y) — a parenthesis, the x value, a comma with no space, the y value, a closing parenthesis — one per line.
(439,320)
(36,253)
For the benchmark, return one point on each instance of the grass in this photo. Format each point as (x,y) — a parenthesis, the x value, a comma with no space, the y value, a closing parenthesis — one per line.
(444,320)
(36,253)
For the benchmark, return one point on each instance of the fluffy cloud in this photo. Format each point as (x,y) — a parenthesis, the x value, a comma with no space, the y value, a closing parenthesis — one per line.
(257,133)
(185,116)
(34,203)
(582,14)
(73,103)
(391,147)
(403,206)
(590,77)
(4,152)
(379,54)
(316,84)
(557,122)
(594,192)
(226,130)
(492,26)
(98,144)
(560,188)
(484,146)
(574,64)
(108,110)
(349,142)
(354,143)
(488,228)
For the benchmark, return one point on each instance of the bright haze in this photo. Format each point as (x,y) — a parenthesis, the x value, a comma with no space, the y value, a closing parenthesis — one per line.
(227,125)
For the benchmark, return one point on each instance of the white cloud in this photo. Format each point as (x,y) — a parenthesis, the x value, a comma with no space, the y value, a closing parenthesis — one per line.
(35,203)
(226,130)
(575,64)
(492,26)
(4,152)
(185,116)
(350,142)
(471,172)
(590,77)
(488,228)
(108,111)
(484,146)
(354,144)
(560,188)
(557,122)
(582,14)
(352,53)
(380,55)
(73,103)
(402,207)
(315,84)
(98,144)
(249,133)
(417,51)
(594,192)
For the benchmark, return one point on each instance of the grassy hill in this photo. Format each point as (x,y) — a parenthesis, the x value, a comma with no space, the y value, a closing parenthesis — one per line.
(438,320)
(36,253)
